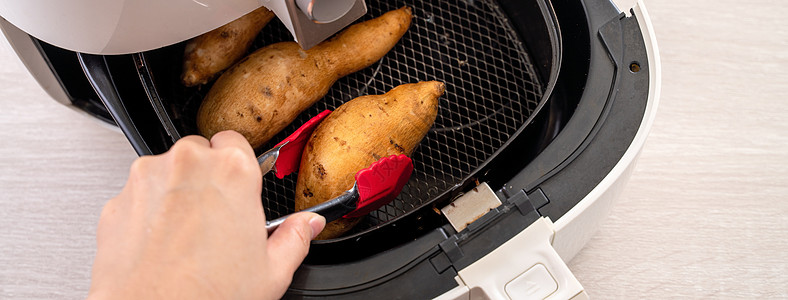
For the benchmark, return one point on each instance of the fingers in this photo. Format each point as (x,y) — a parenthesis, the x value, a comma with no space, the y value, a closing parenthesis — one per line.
(193,139)
(239,160)
(229,138)
(289,244)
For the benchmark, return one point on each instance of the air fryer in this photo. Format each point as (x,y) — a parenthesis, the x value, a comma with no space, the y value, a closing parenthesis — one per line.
(547,105)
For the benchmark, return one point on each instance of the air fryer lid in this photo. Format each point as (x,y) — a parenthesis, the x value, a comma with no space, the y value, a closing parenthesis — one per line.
(119,27)
(492,91)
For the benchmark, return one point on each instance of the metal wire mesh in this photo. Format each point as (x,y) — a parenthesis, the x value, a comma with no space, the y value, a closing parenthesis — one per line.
(491,89)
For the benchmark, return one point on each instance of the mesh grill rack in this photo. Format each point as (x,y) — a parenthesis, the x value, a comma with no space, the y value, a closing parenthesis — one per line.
(491,90)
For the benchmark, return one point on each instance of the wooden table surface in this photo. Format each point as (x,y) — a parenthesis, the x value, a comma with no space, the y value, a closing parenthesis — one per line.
(705,214)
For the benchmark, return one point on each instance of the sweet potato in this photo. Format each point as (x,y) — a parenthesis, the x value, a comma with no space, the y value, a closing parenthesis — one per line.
(212,52)
(264,92)
(359,133)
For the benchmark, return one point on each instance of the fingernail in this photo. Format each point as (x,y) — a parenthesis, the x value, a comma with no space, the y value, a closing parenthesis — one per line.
(317,223)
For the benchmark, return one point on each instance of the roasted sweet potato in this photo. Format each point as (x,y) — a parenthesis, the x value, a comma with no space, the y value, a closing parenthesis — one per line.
(212,52)
(359,133)
(263,93)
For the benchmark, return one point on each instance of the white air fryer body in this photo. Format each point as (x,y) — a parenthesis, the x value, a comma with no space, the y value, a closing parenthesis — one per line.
(122,27)
(116,27)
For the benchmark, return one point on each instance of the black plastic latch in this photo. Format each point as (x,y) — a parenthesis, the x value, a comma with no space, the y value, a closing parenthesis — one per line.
(451,248)
(538,198)
(440,262)
(521,201)
(489,231)
(528,203)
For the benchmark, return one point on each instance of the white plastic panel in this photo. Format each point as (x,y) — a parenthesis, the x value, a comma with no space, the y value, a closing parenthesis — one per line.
(525,267)
(121,26)
(536,282)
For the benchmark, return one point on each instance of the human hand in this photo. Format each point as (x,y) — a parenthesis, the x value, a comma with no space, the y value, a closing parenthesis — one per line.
(189,224)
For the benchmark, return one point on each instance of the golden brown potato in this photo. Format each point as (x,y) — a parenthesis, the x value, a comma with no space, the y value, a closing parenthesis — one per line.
(212,52)
(263,93)
(359,133)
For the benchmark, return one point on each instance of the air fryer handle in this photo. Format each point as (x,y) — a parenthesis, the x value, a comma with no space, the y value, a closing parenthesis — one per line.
(525,267)
(306,31)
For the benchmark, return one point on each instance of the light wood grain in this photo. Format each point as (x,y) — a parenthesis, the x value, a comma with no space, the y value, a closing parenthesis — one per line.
(704,215)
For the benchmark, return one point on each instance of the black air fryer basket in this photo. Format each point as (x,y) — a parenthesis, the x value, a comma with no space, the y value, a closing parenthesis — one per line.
(492,90)
(527,85)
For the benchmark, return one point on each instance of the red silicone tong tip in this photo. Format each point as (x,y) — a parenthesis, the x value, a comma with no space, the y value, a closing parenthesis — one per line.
(381,183)
(293,146)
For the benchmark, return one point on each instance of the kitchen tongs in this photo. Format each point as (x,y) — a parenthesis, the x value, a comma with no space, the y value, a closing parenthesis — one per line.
(285,157)
(375,186)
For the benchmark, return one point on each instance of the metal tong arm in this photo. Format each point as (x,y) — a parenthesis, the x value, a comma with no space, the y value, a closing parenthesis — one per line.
(331,210)
(267,160)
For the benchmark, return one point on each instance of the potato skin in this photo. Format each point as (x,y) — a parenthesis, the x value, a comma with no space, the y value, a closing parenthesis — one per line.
(359,133)
(264,92)
(212,52)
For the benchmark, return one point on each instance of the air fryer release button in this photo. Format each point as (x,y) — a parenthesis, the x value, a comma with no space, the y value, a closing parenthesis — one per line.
(536,283)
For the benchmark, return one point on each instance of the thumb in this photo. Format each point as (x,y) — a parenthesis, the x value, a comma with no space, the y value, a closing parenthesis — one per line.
(289,244)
